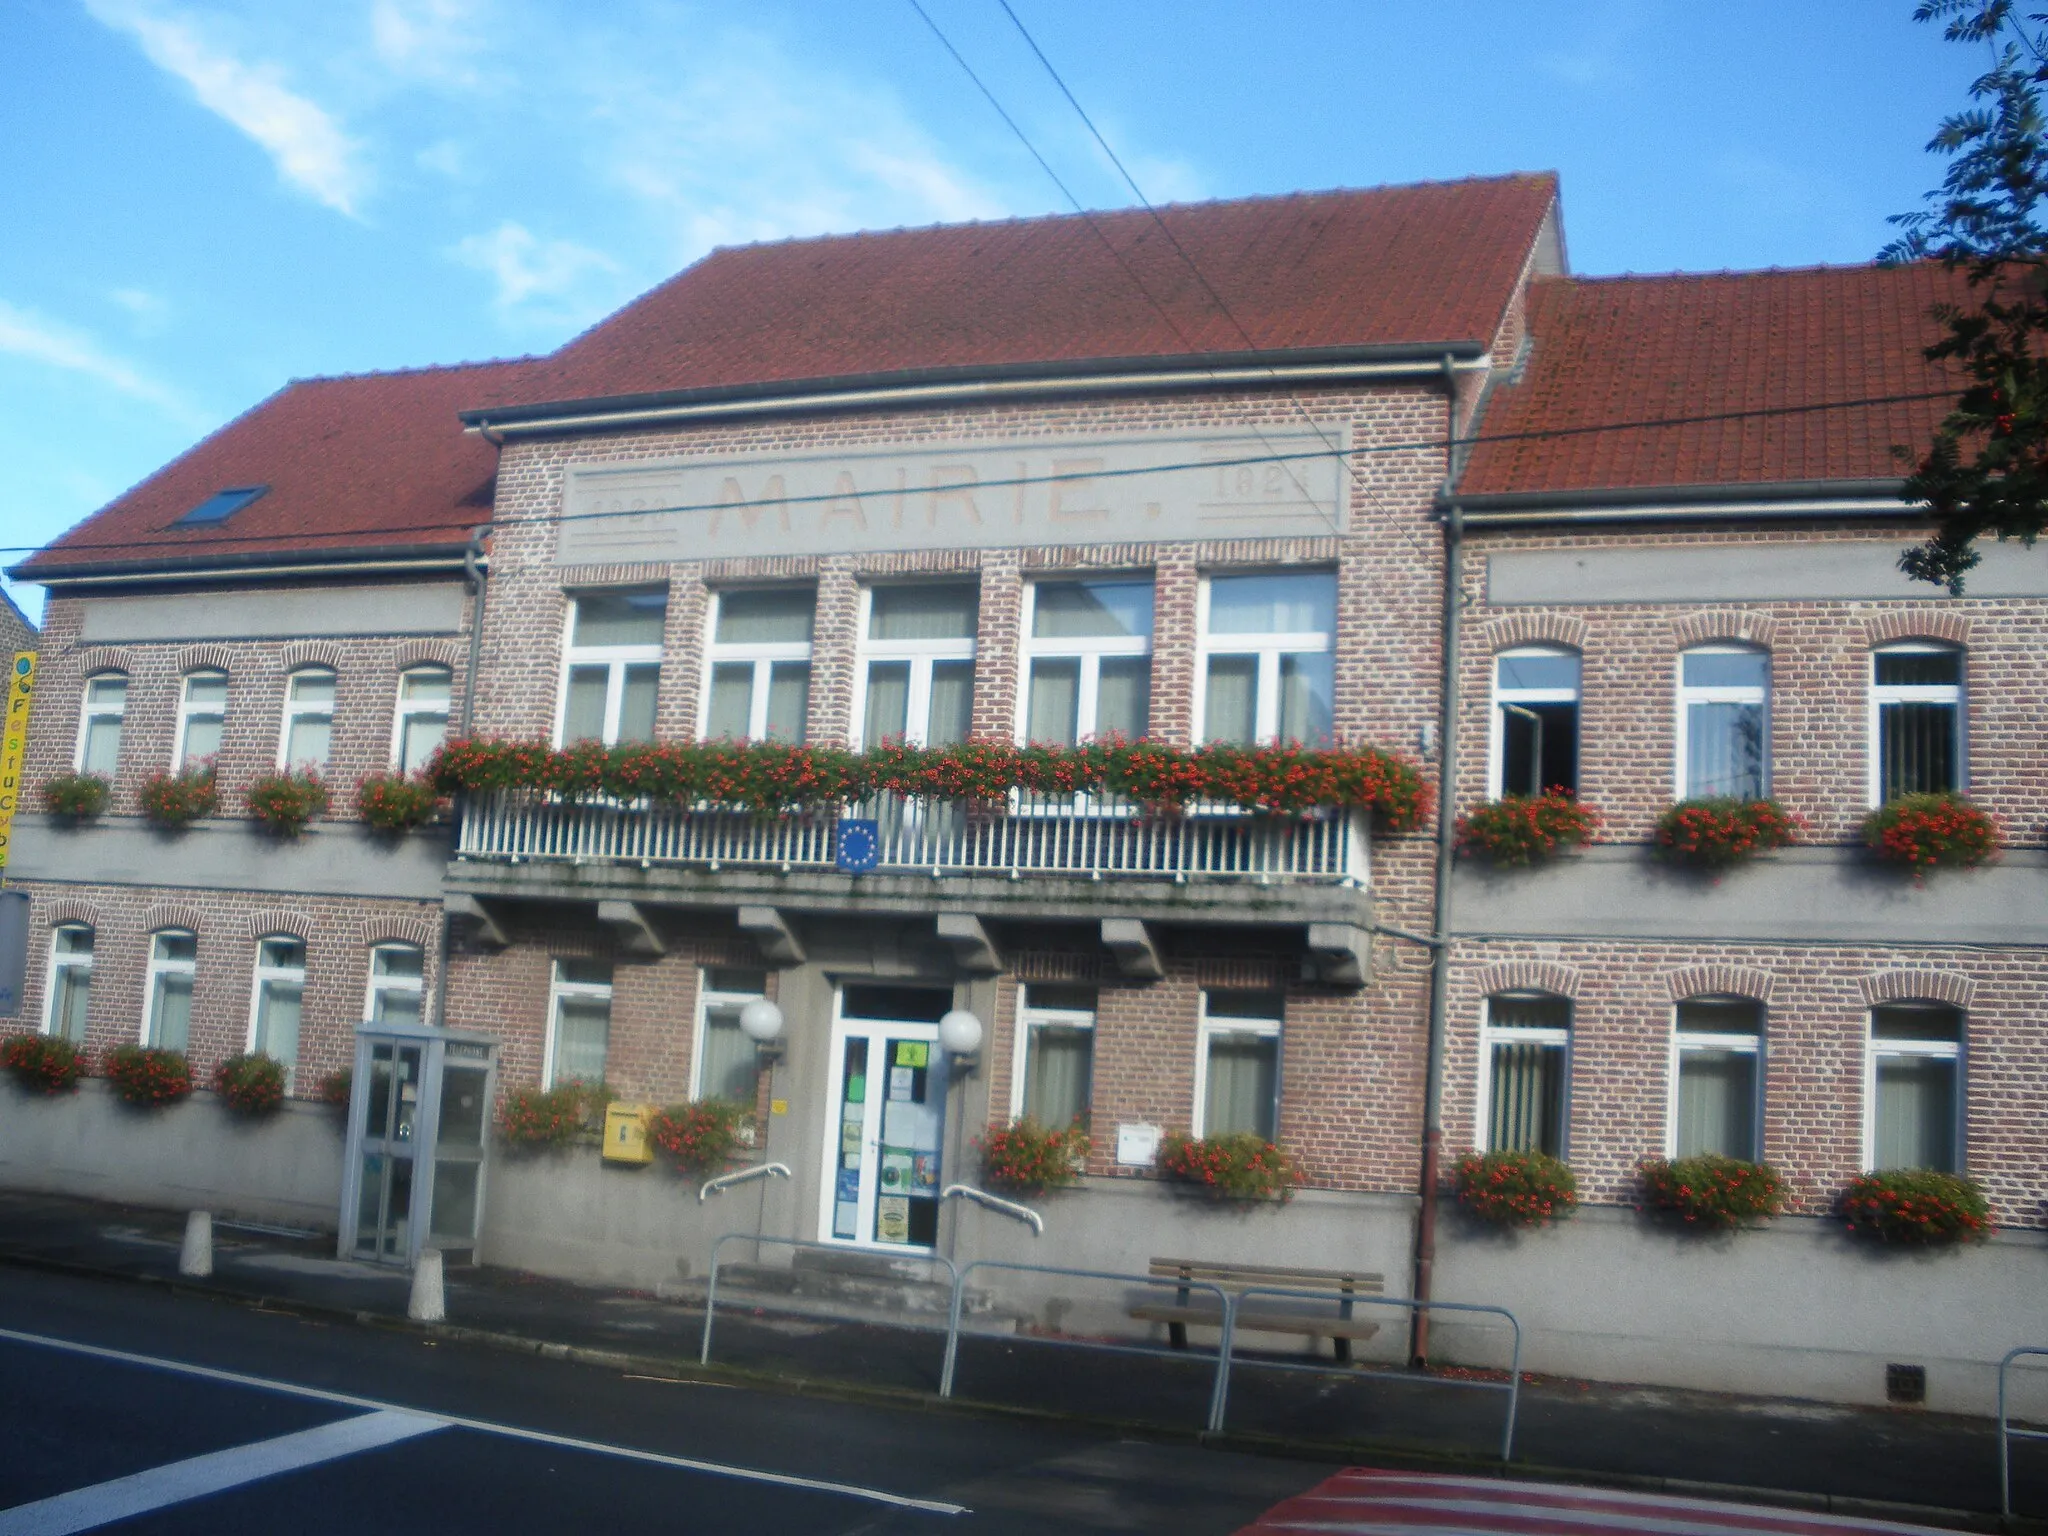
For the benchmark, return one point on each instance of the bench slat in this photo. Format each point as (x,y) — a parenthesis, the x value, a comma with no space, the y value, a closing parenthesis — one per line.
(1261,1322)
(1358,1282)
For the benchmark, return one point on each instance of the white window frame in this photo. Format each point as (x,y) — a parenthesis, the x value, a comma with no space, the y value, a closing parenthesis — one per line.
(1029,1016)
(1496,735)
(615,659)
(708,998)
(1089,650)
(400,714)
(1491,1034)
(1271,1029)
(259,974)
(1267,648)
(919,653)
(293,712)
(87,714)
(416,985)
(761,654)
(558,989)
(189,711)
(1689,695)
(61,960)
(158,966)
(1684,1040)
(1936,1050)
(1880,694)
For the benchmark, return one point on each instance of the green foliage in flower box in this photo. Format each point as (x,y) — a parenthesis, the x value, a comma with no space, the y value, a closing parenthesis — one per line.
(44,1063)
(1518,830)
(336,1088)
(1927,832)
(147,1076)
(250,1085)
(77,796)
(1721,833)
(535,1117)
(1515,1189)
(285,802)
(174,800)
(1027,1158)
(395,802)
(1916,1206)
(1239,1166)
(700,1137)
(1713,1191)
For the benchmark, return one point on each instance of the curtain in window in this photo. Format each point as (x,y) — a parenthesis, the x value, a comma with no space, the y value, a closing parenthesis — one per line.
(420,740)
(278,1006)
(730,1067)
(922,613)
(1307,689)
(1717,1103)
(1229,710)
(771,616)
(888,702)
(67,1008)
(1244,1071)
(582,1029)
(206,698)
(1724,750)
(1067,608)
(1055,704)
(1916,1113)
(1265,605)
(789,700)
(170,1011)
(308,743)
(1123,696)
(1917,748)
(732,700)
(636,703)
(1528,1098)
(952,711)
(583,718)
(1058,1062)
(620,618)
(102,744)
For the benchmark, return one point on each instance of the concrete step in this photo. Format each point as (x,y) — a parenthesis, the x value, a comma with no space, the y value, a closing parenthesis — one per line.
(853,1286)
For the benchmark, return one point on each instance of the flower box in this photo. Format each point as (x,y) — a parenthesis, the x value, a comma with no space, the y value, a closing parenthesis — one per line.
(1515,1189)
(285,802)
(76,796)
(251,1085)
(148,1077)
(702,1136)
(1928,832)
(176,800)
(534,1118)
(1916,1207)
(1519,830)
(1027,1158)
(1240,1166)
(1714,1192)
(43,1063)
(1722,833)
(394,802)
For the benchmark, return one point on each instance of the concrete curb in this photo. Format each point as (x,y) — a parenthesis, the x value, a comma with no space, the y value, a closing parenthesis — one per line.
(1346,1452)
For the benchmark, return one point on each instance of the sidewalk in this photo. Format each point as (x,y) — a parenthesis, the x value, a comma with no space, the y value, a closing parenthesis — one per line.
(1852,1460)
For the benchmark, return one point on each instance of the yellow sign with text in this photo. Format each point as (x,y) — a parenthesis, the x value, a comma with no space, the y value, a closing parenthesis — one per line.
(21,677)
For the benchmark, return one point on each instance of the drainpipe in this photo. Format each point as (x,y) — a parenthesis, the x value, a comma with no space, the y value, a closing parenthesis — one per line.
(1440,922)
(473,576)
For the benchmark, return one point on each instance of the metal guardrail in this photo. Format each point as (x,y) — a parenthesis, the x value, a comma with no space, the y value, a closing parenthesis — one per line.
(1023,1213)
(2006,1433)
(1512,1386)
(726,1181)
(1214,1419)
(797,1243)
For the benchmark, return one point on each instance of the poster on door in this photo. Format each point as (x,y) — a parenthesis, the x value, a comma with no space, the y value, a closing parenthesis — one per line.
(892,1219)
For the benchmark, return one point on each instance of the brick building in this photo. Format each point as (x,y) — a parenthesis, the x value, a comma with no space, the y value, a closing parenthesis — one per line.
(1029,482)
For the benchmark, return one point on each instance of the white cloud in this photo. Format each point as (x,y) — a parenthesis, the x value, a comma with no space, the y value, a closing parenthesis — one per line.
(431,39)
(306,143)
(529,270)
(27,335)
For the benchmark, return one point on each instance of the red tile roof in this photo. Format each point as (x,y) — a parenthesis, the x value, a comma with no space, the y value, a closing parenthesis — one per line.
(364,461)
(1386,267)
(1648,348)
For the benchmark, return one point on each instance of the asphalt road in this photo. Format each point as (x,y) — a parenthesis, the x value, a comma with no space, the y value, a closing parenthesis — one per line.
(175,1414)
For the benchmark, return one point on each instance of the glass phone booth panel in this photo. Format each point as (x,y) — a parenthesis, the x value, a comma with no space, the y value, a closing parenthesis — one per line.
(417,1139)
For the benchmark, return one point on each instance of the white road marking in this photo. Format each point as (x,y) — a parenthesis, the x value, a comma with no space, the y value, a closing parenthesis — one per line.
(86,1509)
(484,1426)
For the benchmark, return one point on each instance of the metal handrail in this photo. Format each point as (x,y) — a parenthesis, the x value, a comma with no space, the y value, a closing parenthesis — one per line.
(711,1289)
(726,1181)
(2006,1433)
(995,1203)
(1214,1420)
(1512,1386)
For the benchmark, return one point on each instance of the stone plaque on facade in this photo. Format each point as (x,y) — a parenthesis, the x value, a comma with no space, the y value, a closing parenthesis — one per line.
(1223,485)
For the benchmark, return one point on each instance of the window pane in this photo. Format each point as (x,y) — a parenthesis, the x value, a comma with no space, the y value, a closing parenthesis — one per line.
(206,690)
(388,1005)
(1541,670)
(636,703)
(1244,1071)
(888,706)
(1123,696)
(732,700)
(620,618)
(1717,1103)
(1720,1016)
(397,960)
(1917,1021)
(731,1063)
(277,1019)
(1065,609)
(102,744)
(426,687)
(170,1011)
(1058,1061)
(769,615)
(306,745)
(74,941)
(1916,1125)
(589,973)
(583,716)
(1539,748)
(281,955)
(952,713)
(1510,1012)
(1916,748)
(1228,708)
(1265,605)
(202,739)
(312,690)
(1263,1006)
(1726,669)
(455,1200)
(582,1027)
(419,740)
(789,700)
(176,946)
(732,978)
(1724,750)
(1055,704)
(107,692)
(1308,682)
(1919,669)
(923,613)
(1528,1098)
(67,1008)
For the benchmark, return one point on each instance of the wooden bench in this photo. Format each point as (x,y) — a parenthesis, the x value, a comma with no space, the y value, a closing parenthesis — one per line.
(1341,1285)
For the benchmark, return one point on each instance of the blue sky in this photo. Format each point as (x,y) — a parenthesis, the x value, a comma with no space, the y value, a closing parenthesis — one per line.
(202,200)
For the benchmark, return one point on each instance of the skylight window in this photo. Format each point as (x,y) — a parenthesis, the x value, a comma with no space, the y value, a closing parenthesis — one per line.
(220,506)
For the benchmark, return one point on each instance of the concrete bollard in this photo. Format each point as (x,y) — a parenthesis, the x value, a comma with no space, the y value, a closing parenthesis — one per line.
(429,1303)
(195,1258)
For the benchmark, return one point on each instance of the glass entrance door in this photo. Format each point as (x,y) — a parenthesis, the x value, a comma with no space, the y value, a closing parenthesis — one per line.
(887,1118)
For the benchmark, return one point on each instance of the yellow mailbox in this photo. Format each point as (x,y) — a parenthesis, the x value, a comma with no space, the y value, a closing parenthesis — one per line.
(625,1133)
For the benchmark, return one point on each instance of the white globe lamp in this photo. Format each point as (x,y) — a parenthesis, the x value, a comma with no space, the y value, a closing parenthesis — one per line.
(761,1022)
(960,1034)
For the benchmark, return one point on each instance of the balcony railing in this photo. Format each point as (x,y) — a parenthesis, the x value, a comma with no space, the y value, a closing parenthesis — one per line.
(1095,838)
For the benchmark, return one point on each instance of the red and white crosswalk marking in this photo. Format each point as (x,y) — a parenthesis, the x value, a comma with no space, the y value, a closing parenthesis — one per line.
(1424,1504)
